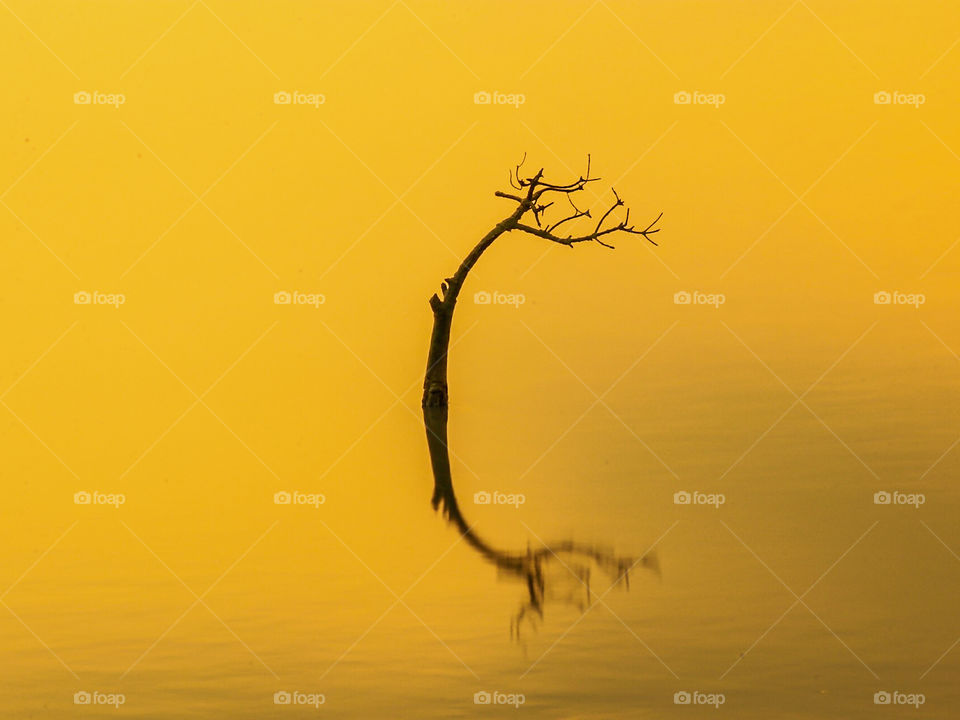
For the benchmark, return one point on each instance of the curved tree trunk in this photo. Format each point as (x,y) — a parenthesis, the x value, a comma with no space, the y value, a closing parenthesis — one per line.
(435,392)
(436,396)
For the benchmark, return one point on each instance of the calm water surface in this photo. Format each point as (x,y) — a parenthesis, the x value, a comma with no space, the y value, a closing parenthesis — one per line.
(797,597)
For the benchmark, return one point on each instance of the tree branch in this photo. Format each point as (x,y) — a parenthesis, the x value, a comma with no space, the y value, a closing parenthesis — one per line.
(536,187)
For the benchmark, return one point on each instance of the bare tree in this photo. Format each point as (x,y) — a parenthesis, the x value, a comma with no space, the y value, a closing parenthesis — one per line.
(533,196)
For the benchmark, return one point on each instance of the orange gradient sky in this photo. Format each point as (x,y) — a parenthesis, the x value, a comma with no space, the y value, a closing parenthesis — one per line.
(797,196)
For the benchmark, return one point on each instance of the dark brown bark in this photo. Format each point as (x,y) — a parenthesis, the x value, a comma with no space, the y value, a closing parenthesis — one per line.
(435,391)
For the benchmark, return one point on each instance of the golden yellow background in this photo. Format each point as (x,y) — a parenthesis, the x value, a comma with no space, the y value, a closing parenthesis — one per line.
(199,198)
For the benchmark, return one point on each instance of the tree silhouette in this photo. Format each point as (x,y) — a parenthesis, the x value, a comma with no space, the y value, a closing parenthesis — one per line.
(533,196)
(530,200)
